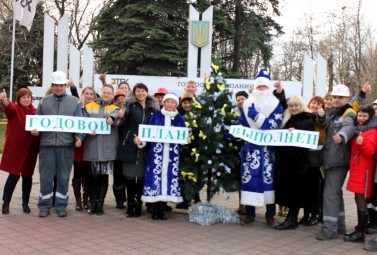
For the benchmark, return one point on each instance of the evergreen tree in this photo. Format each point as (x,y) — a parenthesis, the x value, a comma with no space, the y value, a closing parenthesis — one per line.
(243,33)
(28,55)
(210,160)
(142,37)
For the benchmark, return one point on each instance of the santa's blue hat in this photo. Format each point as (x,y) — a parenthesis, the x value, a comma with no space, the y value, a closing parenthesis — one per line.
(262,79)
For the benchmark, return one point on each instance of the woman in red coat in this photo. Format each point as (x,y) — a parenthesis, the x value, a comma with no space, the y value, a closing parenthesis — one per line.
(20,148)
(363,147)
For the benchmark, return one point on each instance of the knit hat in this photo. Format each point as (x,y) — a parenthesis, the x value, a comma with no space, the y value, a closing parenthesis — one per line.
(171,96)
(119,92)
(162,91)
(262,79)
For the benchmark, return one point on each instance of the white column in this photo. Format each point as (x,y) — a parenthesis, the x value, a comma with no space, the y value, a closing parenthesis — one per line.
(62,59)
(321,76)
(88,66)
(48,50)
(307,83)
(74,65)
(206,50)
(192,52)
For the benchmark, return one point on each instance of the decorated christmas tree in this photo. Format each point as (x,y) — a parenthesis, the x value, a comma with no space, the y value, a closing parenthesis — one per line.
(210,161)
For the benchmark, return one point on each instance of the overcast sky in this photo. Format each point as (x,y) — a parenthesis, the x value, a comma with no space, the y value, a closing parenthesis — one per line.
(294,10)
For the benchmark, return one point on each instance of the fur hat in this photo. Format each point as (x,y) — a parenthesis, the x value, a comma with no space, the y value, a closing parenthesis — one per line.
(262,79)
(171,96)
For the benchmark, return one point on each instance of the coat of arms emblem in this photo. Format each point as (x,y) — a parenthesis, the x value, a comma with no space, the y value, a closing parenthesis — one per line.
(199,33)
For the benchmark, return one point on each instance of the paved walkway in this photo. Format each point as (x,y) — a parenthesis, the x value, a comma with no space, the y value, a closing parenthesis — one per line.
(113,233)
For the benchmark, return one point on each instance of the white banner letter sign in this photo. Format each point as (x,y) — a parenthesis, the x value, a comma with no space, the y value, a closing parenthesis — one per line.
(69,124)
(279,137)
(152,133)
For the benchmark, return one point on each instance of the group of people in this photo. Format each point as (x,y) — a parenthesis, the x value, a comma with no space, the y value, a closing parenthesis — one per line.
(148,172)
(311,179)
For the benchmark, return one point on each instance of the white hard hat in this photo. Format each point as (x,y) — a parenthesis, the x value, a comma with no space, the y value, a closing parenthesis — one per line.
(375,101)
(340,90)
(58,77)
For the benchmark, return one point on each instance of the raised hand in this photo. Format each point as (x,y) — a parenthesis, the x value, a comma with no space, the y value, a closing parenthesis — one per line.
(359,139)
(252,113)
(320,112)
(278,86)
(367,87)
(4,97)
(337,138)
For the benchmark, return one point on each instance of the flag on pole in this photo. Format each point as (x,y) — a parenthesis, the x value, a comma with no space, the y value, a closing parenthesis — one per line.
(24,12)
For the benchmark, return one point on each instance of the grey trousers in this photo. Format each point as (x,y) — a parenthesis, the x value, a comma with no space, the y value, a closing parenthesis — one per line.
(333,203)
(54,161)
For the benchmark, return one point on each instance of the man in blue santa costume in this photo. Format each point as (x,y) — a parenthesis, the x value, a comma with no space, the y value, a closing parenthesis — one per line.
(262,110)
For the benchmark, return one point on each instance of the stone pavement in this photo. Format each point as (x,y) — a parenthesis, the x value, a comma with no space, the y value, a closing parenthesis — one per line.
(113,233)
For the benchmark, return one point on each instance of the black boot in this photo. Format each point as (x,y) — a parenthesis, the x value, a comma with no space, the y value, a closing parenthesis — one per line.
(305,219)
(5,208)
(76,184)
(131,191)
(27,183)
(120,196)
(291,220)
(94,194)
(130,209)
(85,193)
(101,200)
(138,208)
(139,191)
(94,200)
(154,207)
(372,225)
(162,211)
(9,187)
(358,235)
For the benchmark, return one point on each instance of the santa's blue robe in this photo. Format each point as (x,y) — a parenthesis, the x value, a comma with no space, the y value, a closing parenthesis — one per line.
(161,173)
(258,162)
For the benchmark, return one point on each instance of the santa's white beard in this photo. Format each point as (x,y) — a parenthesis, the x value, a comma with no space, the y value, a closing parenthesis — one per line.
(264,102)
(262,99)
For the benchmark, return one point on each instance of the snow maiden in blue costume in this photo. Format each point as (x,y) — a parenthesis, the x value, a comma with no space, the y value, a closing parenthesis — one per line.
(161,174)
(262,110)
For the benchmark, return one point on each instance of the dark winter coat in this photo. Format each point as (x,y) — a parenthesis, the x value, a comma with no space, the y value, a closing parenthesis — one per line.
(135,115)
(292,177)
(20,147)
